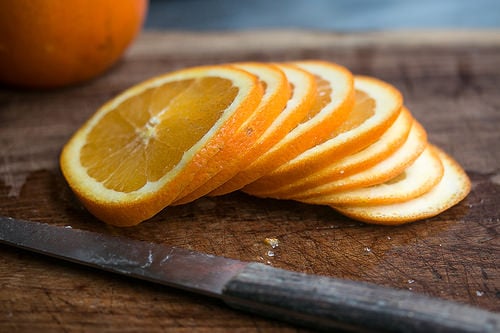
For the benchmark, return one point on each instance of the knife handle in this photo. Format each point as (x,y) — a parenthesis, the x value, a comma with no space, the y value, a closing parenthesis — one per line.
(326,303)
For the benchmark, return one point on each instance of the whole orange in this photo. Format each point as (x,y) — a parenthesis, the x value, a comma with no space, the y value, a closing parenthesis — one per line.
(51,43)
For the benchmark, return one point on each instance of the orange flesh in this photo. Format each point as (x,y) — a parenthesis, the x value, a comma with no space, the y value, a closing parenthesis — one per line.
(323,98)
(364,108)
(397,179)
(153,130)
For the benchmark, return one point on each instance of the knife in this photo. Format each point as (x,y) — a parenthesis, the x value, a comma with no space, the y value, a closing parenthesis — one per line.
(313,301)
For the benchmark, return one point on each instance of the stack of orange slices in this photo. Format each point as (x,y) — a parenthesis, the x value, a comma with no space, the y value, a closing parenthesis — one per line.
(309,131)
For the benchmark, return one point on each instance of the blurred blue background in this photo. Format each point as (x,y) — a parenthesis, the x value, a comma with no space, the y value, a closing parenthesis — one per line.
(338,15)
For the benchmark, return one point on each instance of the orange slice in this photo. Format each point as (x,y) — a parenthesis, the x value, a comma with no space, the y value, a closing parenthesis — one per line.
(137,152)
(307,131)
(388,143)
(379,173)
(377,106)
(333,103)
(303,97)
(276,94)
(416,180)
(451,189)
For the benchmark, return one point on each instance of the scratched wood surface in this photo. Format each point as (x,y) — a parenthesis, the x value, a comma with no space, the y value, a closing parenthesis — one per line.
(450,81)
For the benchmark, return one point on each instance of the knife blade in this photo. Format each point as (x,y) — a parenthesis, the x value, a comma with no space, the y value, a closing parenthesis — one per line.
(318,302)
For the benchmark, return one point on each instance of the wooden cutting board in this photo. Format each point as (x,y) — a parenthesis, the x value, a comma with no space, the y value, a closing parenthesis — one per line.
(451,83)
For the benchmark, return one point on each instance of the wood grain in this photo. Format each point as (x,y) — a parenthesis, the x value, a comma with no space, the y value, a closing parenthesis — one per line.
(450,82)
